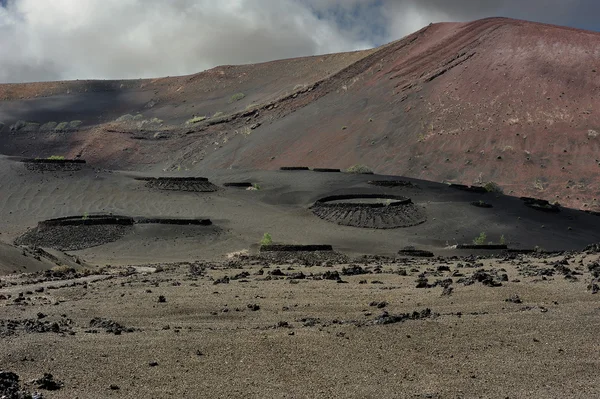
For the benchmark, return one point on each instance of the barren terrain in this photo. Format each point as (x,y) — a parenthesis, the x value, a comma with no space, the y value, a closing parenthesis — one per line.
(254,328)
(201,236)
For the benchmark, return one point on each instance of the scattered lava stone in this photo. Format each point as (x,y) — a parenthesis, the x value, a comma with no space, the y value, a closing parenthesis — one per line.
(514,299)
(223,280)
(109,326)
(48,383)
(253,307)
(331,275)
(594,268)
(162,299)
(422,283)
(386,318)
(9,385)
(353,270)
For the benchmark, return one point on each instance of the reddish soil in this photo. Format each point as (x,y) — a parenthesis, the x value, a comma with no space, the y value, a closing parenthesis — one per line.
(492,100)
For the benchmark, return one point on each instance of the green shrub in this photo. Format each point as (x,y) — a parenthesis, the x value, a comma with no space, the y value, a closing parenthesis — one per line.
(18,126)
(125,118)
(196,119)
(56,158)
(61,126)
(360,169)
(492,187)
(481,239)
(237,97)
(24,126)
(49,126)
(85,216)
(74,124)
(30,127)
(502,240)
(266,240)
(539,249)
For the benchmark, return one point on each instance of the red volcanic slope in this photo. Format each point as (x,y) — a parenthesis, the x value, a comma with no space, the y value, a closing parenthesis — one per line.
(493,100)
(500,100)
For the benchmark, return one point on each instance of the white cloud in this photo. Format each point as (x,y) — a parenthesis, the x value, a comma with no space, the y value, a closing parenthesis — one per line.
(70,39)
(78,39)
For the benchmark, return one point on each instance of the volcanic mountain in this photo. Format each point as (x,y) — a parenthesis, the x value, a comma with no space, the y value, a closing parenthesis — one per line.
(499,100)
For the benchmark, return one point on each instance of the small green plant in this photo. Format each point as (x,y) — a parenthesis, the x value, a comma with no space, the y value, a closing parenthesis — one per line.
(539,249)
(62,269)
(124,118)
(217,114)
(85,216)
(481,239)
(502,240)
(196,119)
(266,240)
(56,158)
(62,126)
(492,187)
(237,97)
(360,169)
(256,186)
(538,185)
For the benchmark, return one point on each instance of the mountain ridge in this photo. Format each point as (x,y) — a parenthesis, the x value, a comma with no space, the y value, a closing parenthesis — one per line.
(497,99)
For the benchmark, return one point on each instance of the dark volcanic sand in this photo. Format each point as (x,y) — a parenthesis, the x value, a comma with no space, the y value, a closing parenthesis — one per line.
(280,207)
(317,324)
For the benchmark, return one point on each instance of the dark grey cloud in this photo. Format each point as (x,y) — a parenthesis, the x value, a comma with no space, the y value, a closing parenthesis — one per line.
(70,39)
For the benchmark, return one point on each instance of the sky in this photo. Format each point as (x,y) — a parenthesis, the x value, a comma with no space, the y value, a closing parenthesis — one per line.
(43,40)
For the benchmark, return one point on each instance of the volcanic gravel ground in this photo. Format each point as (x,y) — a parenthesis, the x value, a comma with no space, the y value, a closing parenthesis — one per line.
(250,328)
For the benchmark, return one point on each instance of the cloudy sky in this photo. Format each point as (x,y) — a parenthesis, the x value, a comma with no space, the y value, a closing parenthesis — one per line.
(106,39)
